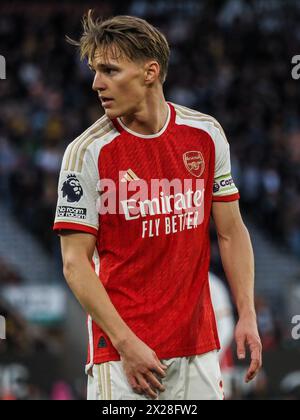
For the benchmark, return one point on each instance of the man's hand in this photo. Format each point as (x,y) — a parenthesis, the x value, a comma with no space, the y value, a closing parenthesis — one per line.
(140,362)
(142,367)
(246,334)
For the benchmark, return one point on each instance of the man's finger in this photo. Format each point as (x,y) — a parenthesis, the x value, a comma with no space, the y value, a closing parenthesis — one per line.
(146,388)
(256,362)
(161,371)
(256,352)
(161,365)
(164,367)
(253,370)
(241,350)
(154,382)
(134,385)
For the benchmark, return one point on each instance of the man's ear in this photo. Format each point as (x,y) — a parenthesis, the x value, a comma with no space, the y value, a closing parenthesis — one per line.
(152,72)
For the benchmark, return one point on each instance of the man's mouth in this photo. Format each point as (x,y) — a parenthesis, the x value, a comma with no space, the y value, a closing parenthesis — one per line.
(105,98)
(105,101)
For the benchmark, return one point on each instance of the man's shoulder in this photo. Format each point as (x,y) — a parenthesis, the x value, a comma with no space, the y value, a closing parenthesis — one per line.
(98,130)
(90,140)
(196,119)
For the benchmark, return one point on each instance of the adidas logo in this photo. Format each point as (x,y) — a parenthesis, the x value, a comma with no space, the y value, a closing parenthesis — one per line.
(130,176)
(102,343)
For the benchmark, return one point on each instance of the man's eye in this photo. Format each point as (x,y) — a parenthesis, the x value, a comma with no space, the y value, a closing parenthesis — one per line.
(109,71)
(105,71)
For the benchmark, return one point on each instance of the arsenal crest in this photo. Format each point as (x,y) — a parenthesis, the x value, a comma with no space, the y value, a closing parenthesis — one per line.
(194,163)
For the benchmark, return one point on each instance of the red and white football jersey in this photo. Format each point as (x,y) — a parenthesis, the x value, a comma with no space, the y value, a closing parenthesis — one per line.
(153,248)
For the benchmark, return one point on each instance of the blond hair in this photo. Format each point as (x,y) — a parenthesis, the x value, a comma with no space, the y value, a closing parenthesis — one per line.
(128,35)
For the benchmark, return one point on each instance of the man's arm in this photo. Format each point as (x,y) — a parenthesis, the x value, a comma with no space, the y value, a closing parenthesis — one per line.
(238,262)
(139,360)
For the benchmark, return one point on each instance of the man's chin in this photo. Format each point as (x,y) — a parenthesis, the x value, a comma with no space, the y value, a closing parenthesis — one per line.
(111,113)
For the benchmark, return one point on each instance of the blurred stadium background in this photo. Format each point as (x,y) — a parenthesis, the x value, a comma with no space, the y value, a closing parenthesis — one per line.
(230,59)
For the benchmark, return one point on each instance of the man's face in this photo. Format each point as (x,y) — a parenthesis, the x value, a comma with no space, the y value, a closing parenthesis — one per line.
(120,84)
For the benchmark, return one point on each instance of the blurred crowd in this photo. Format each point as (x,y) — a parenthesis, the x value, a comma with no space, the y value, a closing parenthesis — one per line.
(235,64)
(8,276)
(31,356)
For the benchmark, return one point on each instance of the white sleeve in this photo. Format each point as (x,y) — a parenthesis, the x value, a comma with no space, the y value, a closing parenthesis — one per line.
(223,310)
(77,196)
(224,187)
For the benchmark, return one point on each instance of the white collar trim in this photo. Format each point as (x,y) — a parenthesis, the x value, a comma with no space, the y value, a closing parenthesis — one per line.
(147,136)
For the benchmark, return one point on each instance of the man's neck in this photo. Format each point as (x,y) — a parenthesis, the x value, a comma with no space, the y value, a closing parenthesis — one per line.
(151,117)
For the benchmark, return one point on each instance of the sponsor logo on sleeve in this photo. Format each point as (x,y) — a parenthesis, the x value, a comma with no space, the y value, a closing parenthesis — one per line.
(71,212)
(216,187)
(223,185)
(227,183)
(72,189)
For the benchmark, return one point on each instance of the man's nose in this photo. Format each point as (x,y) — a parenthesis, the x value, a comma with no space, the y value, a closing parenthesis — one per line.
(98,83)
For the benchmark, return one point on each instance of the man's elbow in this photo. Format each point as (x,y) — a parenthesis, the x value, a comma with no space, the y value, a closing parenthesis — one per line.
(235,230)
(71,266)
(68,268)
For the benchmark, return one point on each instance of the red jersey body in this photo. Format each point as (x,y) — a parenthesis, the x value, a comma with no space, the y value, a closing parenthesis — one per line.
(153,248)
